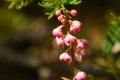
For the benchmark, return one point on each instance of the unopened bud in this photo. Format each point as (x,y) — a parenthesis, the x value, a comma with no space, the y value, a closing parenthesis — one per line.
(80,76)
(61,17)
(58,13)
(73,12)
(65,57)
(82,44)
(69,39)
(59,41)
(57,32)
(75,26)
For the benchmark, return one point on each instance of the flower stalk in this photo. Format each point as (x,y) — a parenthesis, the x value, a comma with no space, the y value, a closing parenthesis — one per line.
(75,47)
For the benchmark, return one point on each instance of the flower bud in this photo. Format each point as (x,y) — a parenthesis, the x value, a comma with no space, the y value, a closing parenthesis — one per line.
(58,13)
(82,44)
(69,39)
(65,57)
(83,52)
(80,76)
(57,32)
(59,41)
(75,26)
(73,12)
(61,17)
(78,57)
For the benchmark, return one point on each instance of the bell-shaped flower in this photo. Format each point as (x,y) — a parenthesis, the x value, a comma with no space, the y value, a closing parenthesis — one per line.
(81,44)
(65,57)
(59,41)
(69,39)
(57,31)
(73,12)
(80,76)
(58,13)
(75,26)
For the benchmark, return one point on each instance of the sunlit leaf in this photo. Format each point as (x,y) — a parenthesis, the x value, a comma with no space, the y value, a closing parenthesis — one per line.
(112,37)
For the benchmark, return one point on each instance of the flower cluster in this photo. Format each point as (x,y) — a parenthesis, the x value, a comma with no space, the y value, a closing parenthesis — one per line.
(75,47)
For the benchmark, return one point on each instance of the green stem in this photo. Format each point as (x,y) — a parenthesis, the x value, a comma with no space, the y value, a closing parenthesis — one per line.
(63,8)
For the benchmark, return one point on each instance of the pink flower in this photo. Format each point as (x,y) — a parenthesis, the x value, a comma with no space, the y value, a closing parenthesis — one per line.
(83,52)
(69,39)
(75,26)
(65,57)
(82,44)
(58,13)
(57,32)
(80,76)
(78,57)
(73,12)
(59,41)
(61,17)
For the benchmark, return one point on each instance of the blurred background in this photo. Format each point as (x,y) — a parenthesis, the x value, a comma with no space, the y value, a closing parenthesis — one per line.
(28,50)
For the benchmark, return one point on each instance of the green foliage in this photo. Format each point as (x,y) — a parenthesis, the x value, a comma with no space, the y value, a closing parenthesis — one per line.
(56,4)
(51,4)
(90,77)
(113,36)
(18,4)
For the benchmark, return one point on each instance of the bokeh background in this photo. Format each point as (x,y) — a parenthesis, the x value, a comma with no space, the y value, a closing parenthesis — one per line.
(28,50)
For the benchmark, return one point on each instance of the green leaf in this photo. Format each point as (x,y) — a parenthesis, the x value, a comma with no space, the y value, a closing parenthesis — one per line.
(18,4)
(57,4)
(75,2)
(53,12)
(12,5)
(112,37)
